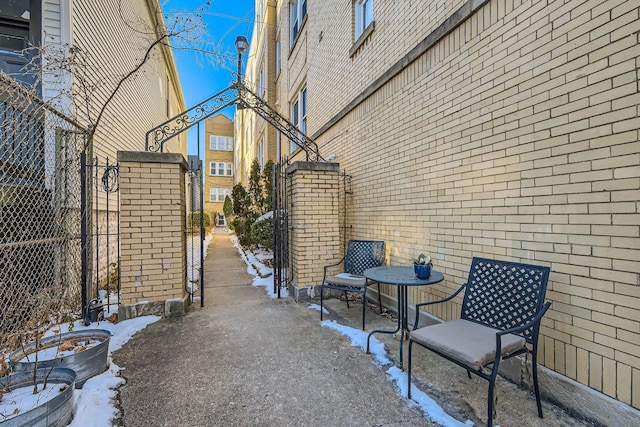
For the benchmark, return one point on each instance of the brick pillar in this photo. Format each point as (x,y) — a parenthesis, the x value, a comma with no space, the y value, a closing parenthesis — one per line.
(152,234)
(314,222)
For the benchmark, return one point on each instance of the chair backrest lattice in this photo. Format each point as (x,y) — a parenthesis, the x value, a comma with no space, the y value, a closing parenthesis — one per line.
(363,254)
(503,294)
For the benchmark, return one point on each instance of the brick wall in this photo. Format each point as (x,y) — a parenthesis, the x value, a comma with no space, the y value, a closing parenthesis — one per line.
(313,220)
(514,135)
(152,224)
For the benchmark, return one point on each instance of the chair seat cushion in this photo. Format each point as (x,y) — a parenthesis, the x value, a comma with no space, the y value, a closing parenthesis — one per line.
(467,342)
(346,280)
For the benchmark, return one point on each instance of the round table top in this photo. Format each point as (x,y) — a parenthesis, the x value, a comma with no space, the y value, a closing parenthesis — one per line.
(402,276)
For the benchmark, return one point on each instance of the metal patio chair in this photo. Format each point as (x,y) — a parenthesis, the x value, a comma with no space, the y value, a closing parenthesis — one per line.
(500,318)
(361,255)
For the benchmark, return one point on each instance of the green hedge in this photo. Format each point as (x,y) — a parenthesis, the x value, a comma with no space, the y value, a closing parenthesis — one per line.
(262,233)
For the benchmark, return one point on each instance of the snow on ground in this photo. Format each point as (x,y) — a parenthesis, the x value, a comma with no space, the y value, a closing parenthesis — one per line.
(263,275)
(419,399)
(316,307)
(193,257)
(94,402)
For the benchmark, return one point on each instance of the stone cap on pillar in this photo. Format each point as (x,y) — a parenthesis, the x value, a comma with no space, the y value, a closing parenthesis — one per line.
(313,166)
(152,157)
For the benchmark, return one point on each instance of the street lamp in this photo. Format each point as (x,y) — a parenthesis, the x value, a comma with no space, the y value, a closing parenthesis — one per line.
(241,46)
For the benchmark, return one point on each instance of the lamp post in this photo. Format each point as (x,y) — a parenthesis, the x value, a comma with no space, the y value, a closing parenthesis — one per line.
(242,45)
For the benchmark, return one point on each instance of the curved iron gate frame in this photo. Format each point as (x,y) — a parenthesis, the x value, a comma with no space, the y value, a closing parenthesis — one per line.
(243,97)
(237,93)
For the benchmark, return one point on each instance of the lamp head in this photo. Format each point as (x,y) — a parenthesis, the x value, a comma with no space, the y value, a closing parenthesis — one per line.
(241,44)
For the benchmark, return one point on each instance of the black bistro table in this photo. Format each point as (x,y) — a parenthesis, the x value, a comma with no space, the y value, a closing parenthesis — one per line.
(403,278)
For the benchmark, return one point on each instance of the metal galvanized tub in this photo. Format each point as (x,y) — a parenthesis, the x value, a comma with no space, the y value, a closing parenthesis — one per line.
(56,412)
(85,363)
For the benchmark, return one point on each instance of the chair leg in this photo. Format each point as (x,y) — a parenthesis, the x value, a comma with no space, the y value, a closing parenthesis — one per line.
(364,306)
(409,371)
(321,302)
(469,374)
(379,298)
(490,394)
(534,366)
(346,297)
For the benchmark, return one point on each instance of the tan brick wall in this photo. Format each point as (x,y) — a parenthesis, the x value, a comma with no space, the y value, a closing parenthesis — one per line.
(152,221)
(515,136)
(314,235)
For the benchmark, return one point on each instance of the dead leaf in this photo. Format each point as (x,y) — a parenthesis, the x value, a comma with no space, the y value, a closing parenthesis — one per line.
(63,388)
(66,346)
(113,318)
(16,412)
(82,348)
(56,331)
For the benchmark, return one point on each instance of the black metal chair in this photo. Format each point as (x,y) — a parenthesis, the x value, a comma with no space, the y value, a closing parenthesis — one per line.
(502,308)
(361,255)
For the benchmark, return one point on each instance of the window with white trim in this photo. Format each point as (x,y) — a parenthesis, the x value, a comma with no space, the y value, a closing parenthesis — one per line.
(224,143)
(363,14)
(220,169)
(278,55)
(262,152)
(299,115)
(262,81)
(218,194)
(297,12)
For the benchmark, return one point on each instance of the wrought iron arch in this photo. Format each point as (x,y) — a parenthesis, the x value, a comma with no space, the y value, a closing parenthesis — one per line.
(237,93)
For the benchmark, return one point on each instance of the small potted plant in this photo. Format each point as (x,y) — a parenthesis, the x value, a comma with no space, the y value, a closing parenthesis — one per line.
(422,266)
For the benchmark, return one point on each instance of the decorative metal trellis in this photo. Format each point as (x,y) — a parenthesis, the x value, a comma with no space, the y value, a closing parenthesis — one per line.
(237,93)
(243,97)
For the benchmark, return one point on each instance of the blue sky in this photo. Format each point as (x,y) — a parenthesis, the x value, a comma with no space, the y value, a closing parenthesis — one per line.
(200,79)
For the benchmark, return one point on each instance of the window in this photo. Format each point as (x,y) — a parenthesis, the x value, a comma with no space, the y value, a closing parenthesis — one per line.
(20,27)
(363,16)
(297,12)
(299,114)
(262,81)
(262,152)
(218,194)
(224,143)
(220,169)
(278,54)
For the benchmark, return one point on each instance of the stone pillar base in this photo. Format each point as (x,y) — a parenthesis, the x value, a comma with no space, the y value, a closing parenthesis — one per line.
(169,308)
(302,293)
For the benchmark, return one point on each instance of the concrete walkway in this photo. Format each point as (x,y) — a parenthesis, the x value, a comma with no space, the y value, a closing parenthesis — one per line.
(248,360)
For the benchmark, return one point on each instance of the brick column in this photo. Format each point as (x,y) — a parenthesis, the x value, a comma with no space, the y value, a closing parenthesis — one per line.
(152,234)
(314,222)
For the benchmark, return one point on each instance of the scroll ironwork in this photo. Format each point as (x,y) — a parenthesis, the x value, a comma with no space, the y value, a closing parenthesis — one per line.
(239,94)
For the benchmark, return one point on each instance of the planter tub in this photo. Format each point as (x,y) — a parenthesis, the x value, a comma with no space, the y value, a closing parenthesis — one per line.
(56,412)
(86,363)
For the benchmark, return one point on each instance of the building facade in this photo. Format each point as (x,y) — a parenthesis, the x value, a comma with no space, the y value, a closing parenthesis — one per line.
(87,47)
(257,139)
(496,128)
(218,166)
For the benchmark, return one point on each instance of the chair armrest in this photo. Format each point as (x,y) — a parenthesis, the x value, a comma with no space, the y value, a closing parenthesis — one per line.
(517,329)
(331,265)
(450,297)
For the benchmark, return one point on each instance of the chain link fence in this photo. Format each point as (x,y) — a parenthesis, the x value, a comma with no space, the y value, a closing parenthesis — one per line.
(41,209)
